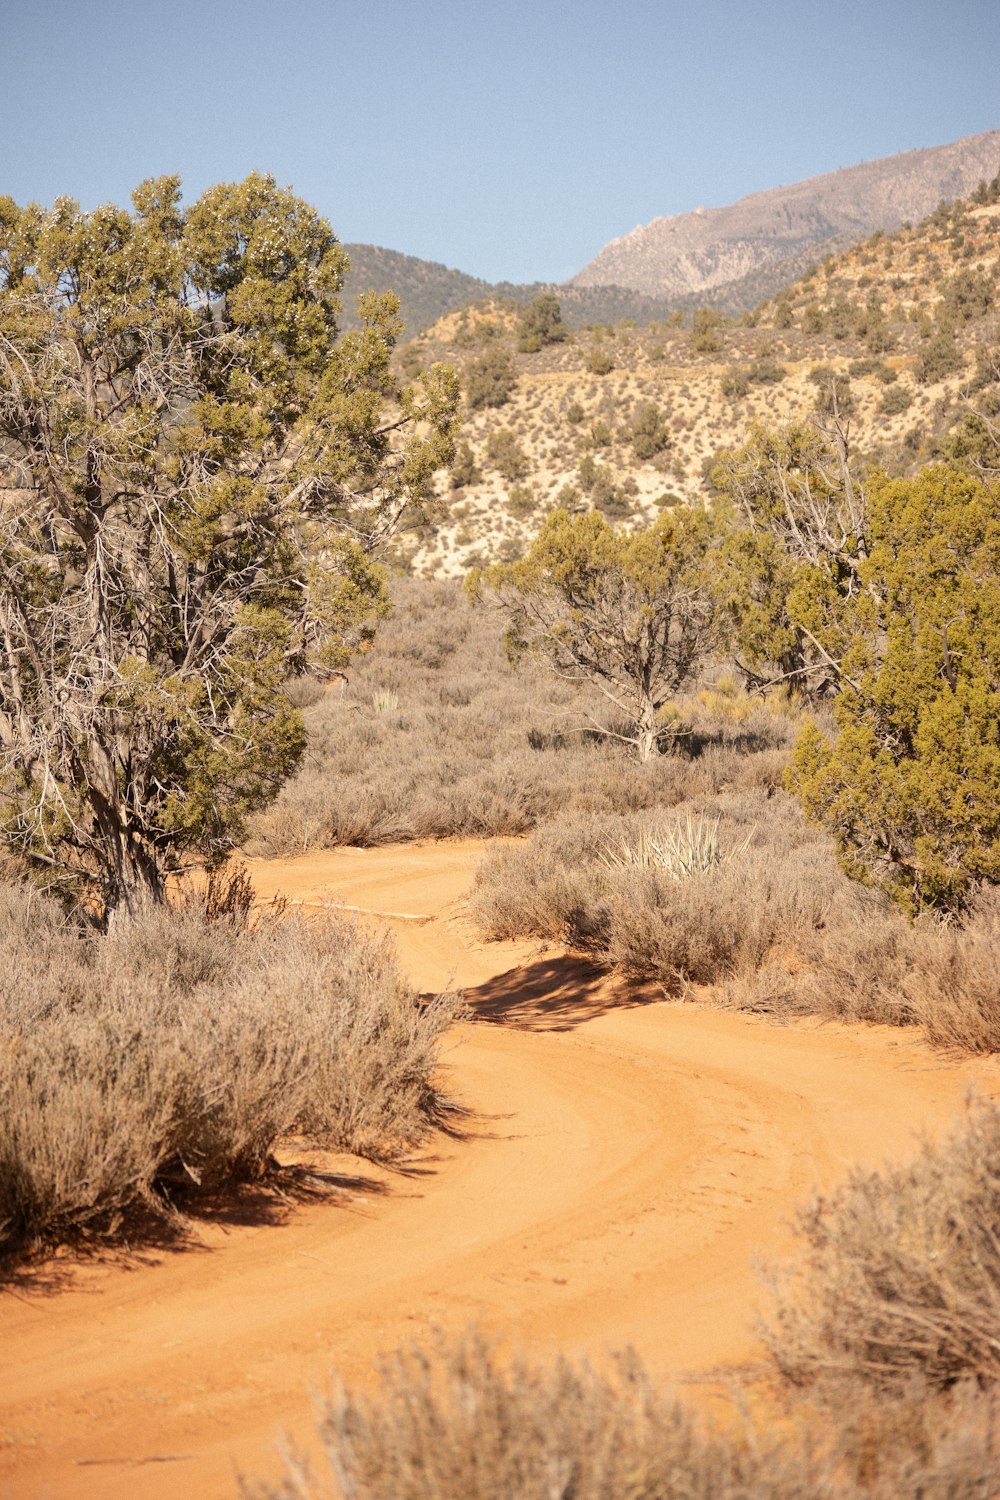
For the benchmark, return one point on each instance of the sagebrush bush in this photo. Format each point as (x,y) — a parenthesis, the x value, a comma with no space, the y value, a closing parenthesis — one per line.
(953,982)
(172,1054)
(900,1275)
(880,1381)
(773,924)
(457,1421)
(781,887)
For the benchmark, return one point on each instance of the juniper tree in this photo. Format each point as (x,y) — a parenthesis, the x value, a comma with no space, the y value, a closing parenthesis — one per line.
(200,475)
(888,590)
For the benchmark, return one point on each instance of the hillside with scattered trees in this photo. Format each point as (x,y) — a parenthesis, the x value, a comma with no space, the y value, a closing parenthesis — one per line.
(899,333)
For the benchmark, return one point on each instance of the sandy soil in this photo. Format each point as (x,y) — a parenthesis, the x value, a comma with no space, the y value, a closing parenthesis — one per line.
(628,1162)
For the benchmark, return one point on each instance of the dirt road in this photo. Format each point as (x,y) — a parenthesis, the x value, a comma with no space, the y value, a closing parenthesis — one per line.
(628,1163)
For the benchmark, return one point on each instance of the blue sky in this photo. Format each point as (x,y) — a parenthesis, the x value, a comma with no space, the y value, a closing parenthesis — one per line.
(511,140)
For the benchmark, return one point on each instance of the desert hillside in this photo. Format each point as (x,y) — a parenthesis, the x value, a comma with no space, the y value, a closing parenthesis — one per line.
(629,418)
(428,291)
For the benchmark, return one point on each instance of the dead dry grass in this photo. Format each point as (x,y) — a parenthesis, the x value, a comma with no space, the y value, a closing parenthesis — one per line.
(165,1060)
(436,735)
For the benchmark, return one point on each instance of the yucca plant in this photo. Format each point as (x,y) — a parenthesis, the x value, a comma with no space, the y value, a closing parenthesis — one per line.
(679,851)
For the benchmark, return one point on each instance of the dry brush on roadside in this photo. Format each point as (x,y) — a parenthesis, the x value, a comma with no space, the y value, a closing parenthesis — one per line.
(770,922)
(156,1064)
(879,1381)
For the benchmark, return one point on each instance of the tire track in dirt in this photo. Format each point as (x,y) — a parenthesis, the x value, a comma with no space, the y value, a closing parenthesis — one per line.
(627,1163)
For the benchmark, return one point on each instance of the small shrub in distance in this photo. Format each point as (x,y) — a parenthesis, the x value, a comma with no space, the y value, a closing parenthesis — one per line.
(491,380)
(598,361)
(464,469)
(937,357)
(649,432)
(521,501)
(541,324)
(734,383)
(506,454)
(897,399)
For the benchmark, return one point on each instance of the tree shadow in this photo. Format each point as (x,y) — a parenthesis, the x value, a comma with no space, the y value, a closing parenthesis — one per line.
(144,1234)
(556,993)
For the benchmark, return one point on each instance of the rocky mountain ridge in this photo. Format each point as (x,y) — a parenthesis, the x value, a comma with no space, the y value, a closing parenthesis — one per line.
(768,237)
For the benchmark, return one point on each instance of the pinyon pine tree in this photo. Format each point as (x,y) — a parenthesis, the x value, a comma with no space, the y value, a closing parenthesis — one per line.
(198,477)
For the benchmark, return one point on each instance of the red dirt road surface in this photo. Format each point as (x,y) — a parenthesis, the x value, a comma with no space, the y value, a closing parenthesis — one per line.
(626,1163)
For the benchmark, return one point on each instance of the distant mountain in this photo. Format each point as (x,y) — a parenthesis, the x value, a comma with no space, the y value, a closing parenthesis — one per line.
(735,256)
(427,291)
(731,258)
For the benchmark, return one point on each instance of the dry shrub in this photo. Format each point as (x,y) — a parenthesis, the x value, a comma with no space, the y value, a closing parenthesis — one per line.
(704,928)
(953,984)
(172,1054)
(899,1280)
(475,748)
(456,1422)
(777,929)
(858,961)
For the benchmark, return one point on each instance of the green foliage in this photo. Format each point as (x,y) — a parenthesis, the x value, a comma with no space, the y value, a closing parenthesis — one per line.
(910,785)
(490,381)
(969,295)
(649,432)
(794,525)
(208,471)
(599,435)
(766,372)
(575,413)
(506,454)
(464,469)
(897,399)
(813,319)
(841,319)
(626,612)
(598,361)
(888,592)
(705,323)
(521,501)
(598,482)
(734,383)
(937,357)
(541,324)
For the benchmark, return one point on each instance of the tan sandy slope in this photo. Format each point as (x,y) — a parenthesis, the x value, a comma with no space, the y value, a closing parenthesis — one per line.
(628,1163)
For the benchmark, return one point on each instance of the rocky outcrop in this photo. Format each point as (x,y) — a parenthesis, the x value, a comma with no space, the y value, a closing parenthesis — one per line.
(763,236)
